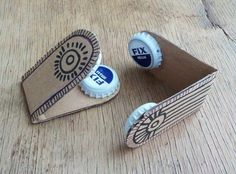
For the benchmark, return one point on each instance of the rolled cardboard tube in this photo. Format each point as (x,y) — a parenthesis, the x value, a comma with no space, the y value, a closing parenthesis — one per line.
(178,68)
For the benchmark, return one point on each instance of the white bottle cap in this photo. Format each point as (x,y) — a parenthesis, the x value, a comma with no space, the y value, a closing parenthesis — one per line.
(101,82)
(136,114)
(145,50)
(99,60)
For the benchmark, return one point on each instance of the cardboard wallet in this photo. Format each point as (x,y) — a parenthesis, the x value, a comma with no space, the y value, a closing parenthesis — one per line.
(51,85)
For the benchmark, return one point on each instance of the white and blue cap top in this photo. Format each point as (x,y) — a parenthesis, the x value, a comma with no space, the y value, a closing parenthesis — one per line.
(145,50)
(101,82)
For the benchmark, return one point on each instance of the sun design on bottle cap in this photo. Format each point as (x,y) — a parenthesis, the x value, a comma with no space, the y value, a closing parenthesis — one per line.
(70,60)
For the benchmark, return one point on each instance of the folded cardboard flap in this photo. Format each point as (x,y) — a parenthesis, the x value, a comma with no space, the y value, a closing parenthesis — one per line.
(51,85)
(60,70)
(179,69)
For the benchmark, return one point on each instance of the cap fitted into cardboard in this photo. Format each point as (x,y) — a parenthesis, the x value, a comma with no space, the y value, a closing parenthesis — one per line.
(50,86)
(145,50)
(189,78)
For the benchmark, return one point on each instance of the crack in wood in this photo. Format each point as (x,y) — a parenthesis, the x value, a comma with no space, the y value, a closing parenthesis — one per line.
(212,22)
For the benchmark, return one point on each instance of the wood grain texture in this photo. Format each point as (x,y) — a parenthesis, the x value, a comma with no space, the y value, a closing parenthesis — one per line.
(92,141)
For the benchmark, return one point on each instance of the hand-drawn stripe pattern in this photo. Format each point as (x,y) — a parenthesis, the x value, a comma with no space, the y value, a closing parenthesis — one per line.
(169,112)
(86,69)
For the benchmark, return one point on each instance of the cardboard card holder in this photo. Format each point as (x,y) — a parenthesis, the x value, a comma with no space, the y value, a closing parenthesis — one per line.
(51,85)
(188,77)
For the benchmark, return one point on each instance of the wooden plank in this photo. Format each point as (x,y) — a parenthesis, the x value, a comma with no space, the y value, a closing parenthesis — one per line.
(92,141)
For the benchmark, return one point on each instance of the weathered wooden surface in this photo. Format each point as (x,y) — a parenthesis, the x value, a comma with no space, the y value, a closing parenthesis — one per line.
(92,141)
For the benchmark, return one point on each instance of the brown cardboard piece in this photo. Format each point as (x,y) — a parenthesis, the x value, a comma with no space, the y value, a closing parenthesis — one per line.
(51,86)
(179,69)
(190,78)
(74,101)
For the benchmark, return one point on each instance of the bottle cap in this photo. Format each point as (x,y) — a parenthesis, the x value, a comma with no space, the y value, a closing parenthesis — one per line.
(145,50)
(99,60)
(136,114)
(101,82)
